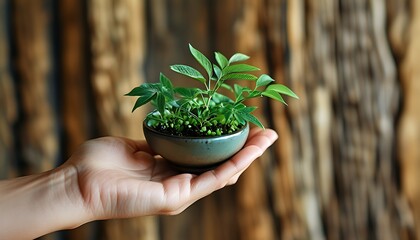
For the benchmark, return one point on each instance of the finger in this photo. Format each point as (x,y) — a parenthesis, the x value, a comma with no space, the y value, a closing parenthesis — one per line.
(261,137)
(213,180)
(254,131)
(270,137)
(221,176)
(234,179)
(228,172)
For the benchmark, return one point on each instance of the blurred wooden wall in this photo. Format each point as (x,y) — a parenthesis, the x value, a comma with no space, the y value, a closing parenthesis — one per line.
(347,160)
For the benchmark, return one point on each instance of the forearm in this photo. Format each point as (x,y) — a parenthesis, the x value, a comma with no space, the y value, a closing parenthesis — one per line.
(35,205)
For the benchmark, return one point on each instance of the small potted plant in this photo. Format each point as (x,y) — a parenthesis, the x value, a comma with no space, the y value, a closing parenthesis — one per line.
(196,129)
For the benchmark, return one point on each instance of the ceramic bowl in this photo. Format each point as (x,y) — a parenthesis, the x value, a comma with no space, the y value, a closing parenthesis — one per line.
(195,154)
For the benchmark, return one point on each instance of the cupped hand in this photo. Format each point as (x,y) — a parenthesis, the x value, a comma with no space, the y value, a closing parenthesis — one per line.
(119,177)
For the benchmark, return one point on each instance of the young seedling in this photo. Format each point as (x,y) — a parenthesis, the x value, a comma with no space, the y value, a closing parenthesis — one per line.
(206,111)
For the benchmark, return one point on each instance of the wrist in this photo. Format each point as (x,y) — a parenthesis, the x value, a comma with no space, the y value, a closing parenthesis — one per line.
(64,190)
(41,204)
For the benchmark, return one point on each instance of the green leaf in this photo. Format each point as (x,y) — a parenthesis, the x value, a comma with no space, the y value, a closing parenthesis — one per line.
(227,112)
(182,101)
(264,80)
(173,103)
(169,95)
(252,119)
(160,102)
(144,89)
(246,109)
(282,89)
(221,60)
(274,95)
(217,71)
(243,114)
(239,68)
(220,98)
(240,106)
(152,119)
(203,60)
(137,91)
(254,94)
(166,82)
(143,100)
(237,90)
(188,92)
(239,117)
(226,86)
(238,57)
(239,76)
(189,72)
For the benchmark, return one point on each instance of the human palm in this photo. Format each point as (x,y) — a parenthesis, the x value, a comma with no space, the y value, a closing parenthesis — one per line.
(119,177)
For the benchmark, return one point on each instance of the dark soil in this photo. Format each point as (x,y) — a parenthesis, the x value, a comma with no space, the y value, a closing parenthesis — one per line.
(194,131)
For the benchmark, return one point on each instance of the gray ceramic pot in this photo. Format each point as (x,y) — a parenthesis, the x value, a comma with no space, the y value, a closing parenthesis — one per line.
(195,154)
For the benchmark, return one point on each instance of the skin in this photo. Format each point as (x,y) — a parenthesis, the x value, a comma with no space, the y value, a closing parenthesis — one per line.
(112,177)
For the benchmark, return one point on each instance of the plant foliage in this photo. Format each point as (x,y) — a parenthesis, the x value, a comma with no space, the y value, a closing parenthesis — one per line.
(205,111)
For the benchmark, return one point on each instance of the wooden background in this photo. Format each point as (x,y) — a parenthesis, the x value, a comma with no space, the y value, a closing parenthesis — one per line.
(347,160)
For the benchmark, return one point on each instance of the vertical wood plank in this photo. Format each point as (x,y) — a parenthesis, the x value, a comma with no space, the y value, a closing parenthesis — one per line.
(409,127)
(118,49)
(254,218)
(8,105)
(74,87)
(289,223)
(73,74)
(38,135)
(333,173)
(399,20)
(300,114)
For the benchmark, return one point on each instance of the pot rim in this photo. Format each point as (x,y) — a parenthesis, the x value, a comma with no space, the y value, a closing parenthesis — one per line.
(192,137)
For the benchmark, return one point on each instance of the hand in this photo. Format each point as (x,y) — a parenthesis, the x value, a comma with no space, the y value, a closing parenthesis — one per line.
(112,178)
(119,177)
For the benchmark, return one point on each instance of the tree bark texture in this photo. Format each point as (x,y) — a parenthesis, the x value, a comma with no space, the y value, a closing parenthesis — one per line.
(345,165)
(8,108)
(38,136)
(117,42)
